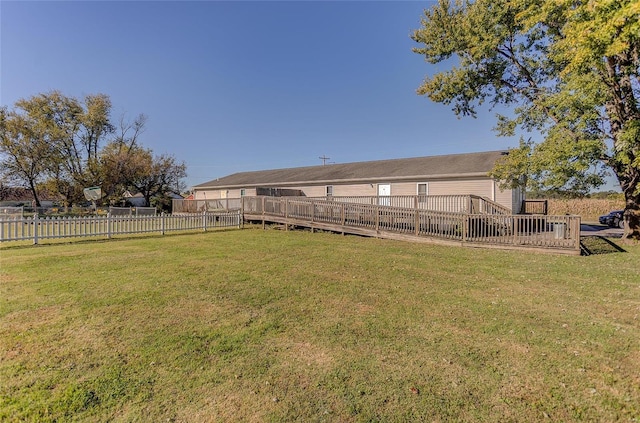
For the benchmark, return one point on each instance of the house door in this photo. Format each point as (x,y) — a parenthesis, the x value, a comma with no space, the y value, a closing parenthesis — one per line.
(384,192)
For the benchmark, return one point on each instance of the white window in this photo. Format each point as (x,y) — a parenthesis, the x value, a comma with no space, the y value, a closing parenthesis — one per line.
(423,189)
(243,192)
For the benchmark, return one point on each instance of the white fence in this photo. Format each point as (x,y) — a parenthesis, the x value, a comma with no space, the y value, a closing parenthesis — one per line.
(37,228)
(132,211)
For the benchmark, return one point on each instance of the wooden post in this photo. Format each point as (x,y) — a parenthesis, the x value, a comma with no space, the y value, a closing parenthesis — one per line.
(286,214)
(465,227)
(35,228)
(576,232)
(204,220)
(263,225)
(313,213)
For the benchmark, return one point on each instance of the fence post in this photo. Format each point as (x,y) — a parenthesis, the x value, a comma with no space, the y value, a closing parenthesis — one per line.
(109,225)
(35,228)
(204,221)
(465,227)
(162,223)
(286,214)
(576,232)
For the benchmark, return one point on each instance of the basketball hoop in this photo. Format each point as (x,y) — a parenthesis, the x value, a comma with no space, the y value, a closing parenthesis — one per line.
(92,193)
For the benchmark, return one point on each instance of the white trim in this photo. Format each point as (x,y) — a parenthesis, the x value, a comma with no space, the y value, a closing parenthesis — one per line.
(426,184)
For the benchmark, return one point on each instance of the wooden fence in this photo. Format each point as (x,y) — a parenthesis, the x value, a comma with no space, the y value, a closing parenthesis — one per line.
(37,228)
(560,233)
(199,206)
(468,220)
(452,203)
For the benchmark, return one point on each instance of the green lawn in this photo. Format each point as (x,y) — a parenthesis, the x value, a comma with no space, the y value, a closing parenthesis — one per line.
(277,326)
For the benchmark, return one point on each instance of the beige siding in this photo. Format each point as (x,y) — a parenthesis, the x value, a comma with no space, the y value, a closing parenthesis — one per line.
(312,191)
(207,194)
(354,190)
(481,187)
(338,190)
(505,198)
(233,193)
(407,188)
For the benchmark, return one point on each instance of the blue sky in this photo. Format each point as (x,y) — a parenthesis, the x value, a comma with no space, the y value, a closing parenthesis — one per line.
(239,86)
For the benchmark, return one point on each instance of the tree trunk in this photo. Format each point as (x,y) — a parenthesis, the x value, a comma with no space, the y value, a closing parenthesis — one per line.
(631,217)
(629,180)
(34,192)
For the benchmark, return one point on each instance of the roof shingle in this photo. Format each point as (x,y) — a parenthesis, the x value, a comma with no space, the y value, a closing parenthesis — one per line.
(452,165)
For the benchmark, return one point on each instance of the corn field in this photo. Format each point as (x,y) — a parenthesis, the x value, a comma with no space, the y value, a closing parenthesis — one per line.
(588,208)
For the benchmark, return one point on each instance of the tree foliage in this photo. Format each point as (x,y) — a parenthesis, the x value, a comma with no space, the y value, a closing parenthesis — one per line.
(137,169)
(569,71)
(25,151)
(62,144)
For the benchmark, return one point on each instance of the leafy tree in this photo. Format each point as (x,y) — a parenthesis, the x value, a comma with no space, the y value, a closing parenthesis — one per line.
(116,158)
(569,70)
(64,144)
(24,151)
(138,170)
(64,135)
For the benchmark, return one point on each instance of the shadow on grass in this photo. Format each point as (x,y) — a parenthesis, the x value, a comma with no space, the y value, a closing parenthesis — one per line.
(596,244)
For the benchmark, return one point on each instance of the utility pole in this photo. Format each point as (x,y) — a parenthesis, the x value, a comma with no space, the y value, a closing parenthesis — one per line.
(324,159)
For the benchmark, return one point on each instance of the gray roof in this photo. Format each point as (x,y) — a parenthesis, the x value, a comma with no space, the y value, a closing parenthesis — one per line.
(432,167)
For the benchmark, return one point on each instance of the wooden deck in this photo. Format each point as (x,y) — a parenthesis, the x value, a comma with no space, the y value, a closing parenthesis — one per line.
(556,234)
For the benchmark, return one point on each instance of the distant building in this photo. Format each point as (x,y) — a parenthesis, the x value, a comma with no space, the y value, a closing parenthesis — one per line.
(136,200)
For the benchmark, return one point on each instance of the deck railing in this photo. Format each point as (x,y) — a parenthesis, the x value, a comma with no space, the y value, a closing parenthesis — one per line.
(534,207)
(561,232)
(451,203)
(36,228)
(199,206)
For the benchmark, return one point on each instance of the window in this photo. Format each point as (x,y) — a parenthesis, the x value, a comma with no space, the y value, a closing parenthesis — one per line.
(423,189)
(243,192)
(329,190)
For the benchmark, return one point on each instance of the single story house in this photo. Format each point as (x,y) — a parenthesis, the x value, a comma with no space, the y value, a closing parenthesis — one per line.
(434,175)
(136,200)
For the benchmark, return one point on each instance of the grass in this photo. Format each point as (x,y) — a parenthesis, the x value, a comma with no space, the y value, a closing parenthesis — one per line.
(271,326)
